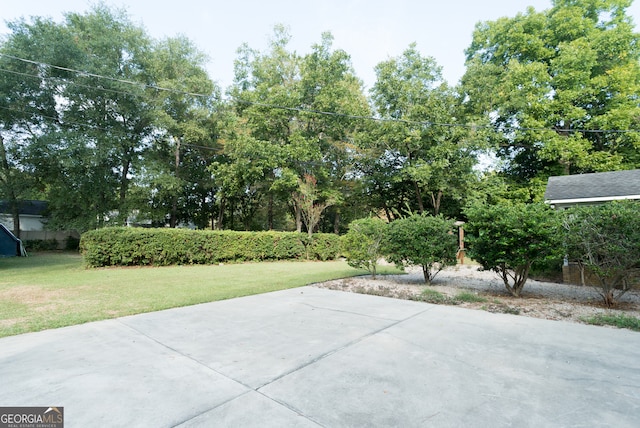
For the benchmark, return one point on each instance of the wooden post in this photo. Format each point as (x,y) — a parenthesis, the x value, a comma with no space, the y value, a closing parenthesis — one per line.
(461,244)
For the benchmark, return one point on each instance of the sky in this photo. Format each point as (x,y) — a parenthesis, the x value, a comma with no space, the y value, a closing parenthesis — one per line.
(370,31)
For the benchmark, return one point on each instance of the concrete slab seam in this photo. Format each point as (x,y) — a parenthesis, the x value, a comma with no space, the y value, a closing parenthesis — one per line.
(185,355)
(212,408)
(340,348)
(342,311)
(249,388)
(290,407)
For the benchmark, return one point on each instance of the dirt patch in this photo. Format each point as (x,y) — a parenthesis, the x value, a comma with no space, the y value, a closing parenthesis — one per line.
(468,287)
(32,295)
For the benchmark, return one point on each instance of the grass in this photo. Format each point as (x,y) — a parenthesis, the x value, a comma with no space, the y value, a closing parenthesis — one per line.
(48,290)
(432,296)
(468,297)
(620,321)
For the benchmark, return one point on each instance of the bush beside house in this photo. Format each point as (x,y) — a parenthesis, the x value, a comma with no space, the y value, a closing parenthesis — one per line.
(510,239)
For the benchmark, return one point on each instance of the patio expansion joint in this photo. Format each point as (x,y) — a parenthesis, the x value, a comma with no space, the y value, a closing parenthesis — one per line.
(328,354)
(344,346)
(187,356)
(248,390)
(343,311)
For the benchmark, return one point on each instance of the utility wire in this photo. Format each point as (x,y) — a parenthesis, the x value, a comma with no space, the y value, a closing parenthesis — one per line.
(301,109)
(69,124)
(98,76)
(100,88)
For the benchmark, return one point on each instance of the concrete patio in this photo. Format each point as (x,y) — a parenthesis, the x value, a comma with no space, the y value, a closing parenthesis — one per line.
(311,357)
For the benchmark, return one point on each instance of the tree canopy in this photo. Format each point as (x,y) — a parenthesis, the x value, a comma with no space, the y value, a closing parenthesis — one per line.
(114,127)
(560,87)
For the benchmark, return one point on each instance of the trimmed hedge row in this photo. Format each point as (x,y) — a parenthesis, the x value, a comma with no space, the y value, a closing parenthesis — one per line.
(122,246)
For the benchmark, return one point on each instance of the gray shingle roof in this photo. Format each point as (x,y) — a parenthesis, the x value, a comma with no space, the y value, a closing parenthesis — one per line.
(598,185)
(26,207)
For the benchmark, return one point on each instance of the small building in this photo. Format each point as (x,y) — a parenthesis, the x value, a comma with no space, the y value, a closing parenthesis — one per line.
(589,189)
(32,215)
(10,246)
(33,225)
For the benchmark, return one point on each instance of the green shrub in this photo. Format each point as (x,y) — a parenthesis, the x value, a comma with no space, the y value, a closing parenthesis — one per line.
(323,246)
(161,247)
(362,244)
(606,240)
(420,240)
(72,244)
(509,239)
(41,245)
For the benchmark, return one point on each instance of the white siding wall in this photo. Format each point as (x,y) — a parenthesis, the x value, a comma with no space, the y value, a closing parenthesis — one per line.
(27,222)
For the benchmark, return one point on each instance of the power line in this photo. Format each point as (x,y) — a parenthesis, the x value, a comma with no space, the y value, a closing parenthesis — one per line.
(68,124)
(100,88)
(98,76)
(300,109)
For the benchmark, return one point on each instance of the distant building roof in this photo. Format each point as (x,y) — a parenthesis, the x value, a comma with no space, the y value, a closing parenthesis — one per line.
(593,188)
(26,207)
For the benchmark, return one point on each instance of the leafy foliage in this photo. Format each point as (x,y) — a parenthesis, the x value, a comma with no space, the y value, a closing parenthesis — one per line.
(509,239)
(605,239)
(307,200)
(107,146)
(421,240)
(544,80)
(362,244)
(161,247)
(431,164)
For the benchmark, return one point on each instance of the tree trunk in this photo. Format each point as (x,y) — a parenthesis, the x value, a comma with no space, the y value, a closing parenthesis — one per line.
(15,213)
(173,222)
(436,199)
(427,274)
(298,215)
(124,181)
(519,277)
(336,223)
(419,197)
(124,186)
(387,212)
(9,189)
(609,299)
(270,212)
(223,203)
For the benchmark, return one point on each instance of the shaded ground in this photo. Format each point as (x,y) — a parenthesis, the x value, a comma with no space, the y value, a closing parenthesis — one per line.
(485,291)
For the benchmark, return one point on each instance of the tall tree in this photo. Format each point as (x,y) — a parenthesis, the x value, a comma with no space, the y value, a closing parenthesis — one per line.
(559,86)
(27,106)
(299,106)
(328,84)
(186,122)
(110,113)
(96,125)
(99,97)
(417,137)
(266,89)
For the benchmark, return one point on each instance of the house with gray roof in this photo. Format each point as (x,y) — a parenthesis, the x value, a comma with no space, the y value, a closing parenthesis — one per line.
(32,215)
(589,189)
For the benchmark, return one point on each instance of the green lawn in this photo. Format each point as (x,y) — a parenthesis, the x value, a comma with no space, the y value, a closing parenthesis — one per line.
(54,290)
